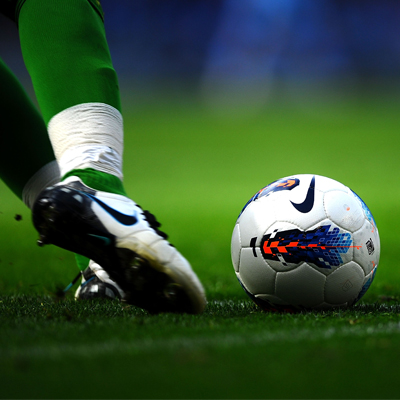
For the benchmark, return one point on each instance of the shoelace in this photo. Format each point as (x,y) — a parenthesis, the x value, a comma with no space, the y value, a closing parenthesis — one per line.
(152,220)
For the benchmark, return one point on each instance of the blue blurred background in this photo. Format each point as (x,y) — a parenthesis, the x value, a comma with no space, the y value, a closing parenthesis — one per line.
(231,51)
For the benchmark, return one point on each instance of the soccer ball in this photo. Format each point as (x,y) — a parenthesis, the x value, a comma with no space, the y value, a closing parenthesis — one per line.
(305,242)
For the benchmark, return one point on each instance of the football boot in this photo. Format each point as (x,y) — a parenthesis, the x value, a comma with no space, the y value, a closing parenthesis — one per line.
(124,239)
(96,284)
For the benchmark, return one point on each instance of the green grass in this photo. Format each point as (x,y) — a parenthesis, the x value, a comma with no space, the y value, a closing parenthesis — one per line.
(195,169)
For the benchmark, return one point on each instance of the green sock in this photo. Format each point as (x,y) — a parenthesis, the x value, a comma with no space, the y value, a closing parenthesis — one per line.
(66,54)
(24,143)
(98,180)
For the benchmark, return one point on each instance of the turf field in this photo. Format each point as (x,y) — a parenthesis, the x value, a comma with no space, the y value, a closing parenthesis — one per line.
(195,169)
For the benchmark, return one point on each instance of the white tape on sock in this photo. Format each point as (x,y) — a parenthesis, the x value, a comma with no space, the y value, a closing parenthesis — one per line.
(88,135)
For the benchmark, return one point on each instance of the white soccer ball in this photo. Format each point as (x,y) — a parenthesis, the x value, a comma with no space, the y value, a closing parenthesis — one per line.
(303,242)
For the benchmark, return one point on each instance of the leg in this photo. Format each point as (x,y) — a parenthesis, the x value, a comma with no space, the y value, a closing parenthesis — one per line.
(26,172)
(67,56)
(66,53)
(22,129)
(68,44)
